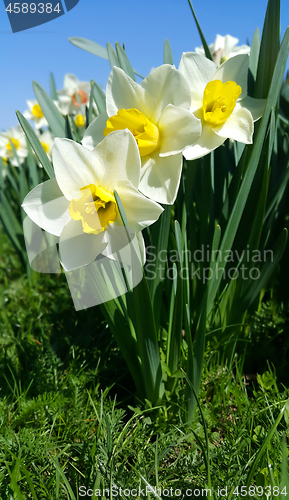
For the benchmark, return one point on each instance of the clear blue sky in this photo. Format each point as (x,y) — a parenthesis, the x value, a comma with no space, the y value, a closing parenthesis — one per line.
(143,26)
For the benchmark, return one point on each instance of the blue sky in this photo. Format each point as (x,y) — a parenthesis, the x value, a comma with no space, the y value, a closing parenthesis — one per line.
(143,26)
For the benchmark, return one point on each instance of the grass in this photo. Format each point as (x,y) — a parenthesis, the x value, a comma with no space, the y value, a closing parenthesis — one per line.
(69,421)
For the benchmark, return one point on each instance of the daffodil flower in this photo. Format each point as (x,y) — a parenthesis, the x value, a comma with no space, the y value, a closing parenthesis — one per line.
(79,206)
(34,113)
(73,95)
(219,99)
(18,139)
(223,48)
(157,113)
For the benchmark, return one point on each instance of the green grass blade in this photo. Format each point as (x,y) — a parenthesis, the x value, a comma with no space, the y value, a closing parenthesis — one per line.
(262,449)
(168,56)
(36,145)
(254,53)
(64,478)
(205,45)
(50,111)
(124,61)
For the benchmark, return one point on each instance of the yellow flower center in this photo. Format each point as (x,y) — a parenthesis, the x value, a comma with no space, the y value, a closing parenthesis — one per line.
(79,121)
(45,146)
(146,134)
(37,111)
(82,96)
(15,143)
(219,101)
(96,209)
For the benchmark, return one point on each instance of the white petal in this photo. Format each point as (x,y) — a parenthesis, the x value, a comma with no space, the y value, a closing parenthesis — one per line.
(120,156)
(75,167)
(71,82)
(140,211)
(77,248)
(167,86)
(160,177)
(123,93)
(198,71)
(204,145)
(94,132)
(234,69)
(229,44)
(179,128)
(47,207)
(238,127)
(255,106)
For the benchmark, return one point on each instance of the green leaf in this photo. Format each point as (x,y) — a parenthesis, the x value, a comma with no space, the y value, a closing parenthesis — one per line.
(50,111)
(99,97)
(256,150)
(94,48)
(205,45)
(124,61)
(89,46)
(254,53)
(269,49)
(36,145)
(53,92)
(168,56)
(112,57)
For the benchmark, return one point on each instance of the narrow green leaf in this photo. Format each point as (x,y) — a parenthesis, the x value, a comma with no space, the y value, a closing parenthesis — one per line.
(205,45)
(266,270)
(99,97)
(269,49)
(254,53)
(112,57)
(89,46)
(124,61)
(36,145)
(238,208)
(50,111)
(168,56)
(94,48)
(53,92)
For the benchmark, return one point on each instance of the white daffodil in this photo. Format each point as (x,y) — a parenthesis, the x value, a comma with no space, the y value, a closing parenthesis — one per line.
(157,113)
(219,99)
(73,95)
(223,48)
(47,141)
(79,206)
(18,139)
(34,113)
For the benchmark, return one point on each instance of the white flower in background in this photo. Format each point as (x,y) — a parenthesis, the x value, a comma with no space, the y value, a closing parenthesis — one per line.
(78,205)
(18,139)
(47,141)
(219,99)
(34,113)
(223,48)
(157,113)
(74,94)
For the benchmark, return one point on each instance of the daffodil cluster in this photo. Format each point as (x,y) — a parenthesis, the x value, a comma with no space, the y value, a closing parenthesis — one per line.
(135,148)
